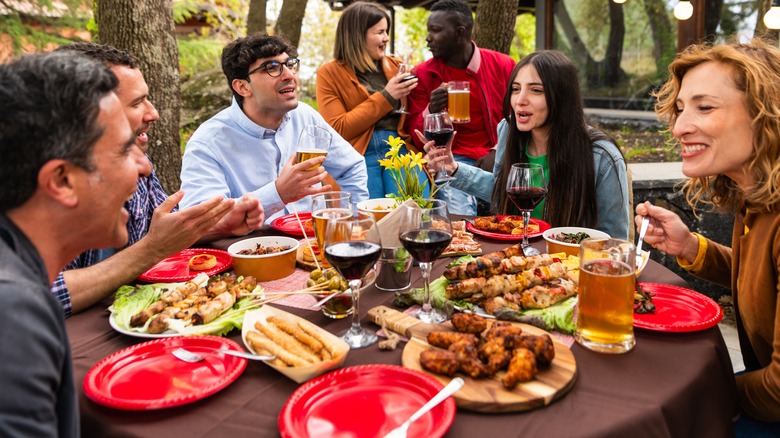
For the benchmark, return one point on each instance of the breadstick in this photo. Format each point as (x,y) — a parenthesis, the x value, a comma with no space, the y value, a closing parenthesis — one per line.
(276,361)
(290,328)
(327,352)
(286,341)
(260,342)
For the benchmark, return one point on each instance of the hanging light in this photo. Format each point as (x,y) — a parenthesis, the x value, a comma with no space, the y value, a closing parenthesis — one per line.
(683,10)
(772,16)
(620,2)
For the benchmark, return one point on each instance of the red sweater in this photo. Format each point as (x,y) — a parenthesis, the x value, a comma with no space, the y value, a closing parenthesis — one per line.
(488,72)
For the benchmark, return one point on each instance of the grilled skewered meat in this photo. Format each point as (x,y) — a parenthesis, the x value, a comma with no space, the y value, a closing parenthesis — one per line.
(504,284)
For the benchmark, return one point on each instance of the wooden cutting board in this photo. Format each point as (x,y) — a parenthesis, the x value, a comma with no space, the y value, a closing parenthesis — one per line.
(488,394)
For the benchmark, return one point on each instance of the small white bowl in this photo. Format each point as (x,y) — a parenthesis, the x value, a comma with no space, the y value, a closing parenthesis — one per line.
(554,246)
(379,207)
(265,267)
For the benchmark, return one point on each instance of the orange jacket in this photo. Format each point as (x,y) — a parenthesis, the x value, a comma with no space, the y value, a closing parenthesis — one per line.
(347,106)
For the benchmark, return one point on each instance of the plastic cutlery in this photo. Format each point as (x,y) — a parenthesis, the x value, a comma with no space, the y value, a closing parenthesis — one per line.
(642,231)
(192,357)
(451,388)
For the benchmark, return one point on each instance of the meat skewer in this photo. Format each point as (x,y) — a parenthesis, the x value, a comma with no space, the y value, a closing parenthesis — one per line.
(505,284)
(507,261)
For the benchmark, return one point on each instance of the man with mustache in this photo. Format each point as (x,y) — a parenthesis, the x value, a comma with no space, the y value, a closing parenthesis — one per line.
(250,146)
(457,58)
(156,227)
(67,167)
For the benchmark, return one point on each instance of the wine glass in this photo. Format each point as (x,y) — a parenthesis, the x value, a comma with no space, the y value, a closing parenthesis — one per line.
(352,246)
(526,187)
(404,68)
(438,127)
(326,206)
(314,142)
(425,233)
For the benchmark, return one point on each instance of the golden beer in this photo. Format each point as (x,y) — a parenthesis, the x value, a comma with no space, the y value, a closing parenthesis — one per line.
(320,220)
(301,156)
(458,102)
(605,318)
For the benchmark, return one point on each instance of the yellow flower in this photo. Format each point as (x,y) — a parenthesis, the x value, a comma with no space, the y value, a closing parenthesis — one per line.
(404,169)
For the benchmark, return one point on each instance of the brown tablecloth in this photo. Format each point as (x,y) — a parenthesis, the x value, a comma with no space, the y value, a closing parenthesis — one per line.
(670,385)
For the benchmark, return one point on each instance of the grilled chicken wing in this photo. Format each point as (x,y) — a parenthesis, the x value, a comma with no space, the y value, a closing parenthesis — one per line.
(469,323)
(439,361)
(522,368)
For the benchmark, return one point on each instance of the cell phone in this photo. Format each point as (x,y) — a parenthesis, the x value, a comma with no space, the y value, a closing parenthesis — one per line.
(408,78)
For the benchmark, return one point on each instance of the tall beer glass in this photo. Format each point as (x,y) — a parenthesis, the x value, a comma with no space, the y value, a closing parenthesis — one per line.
(458,101)
(314,142)
(605,311)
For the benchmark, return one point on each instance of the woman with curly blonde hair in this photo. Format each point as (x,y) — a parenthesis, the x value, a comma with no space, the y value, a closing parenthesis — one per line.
(722,104)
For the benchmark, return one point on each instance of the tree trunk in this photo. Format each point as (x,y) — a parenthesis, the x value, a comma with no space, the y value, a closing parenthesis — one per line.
(495,24)
(580,54)
(290,20)
(256,20)
(145,28)
(664,44)
(613,74)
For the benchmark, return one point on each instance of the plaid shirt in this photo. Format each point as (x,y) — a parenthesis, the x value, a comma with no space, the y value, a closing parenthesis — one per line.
(149,195)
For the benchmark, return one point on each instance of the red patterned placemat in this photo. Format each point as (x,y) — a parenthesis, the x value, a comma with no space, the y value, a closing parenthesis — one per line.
(294,282)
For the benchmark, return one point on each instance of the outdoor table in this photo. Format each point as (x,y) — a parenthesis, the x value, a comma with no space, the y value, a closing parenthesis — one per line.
(670,385)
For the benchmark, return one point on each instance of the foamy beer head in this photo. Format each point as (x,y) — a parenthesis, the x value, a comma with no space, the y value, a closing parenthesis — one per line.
(458,101)
(314,142)
(605,310)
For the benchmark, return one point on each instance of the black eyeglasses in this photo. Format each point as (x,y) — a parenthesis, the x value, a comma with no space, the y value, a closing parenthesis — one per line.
(274,68)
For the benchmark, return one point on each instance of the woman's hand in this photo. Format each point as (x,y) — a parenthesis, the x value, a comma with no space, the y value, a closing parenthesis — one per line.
(667,232)
(398,87)
(438,157)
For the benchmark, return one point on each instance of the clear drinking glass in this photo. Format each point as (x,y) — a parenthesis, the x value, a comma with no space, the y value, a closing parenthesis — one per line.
(314,142)
(526,187)
(403,69)
(426,232)
(326,206)
(352,246)
(438,127)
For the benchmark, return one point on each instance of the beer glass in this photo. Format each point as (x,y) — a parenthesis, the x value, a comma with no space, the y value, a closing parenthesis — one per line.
(324,207)
(314,142)
(458,101)
(605,310)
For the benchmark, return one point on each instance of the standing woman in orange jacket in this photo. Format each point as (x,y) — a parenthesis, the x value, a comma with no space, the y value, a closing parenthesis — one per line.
(359,91)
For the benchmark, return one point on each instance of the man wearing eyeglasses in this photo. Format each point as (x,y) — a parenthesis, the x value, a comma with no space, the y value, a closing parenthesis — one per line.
(250,146)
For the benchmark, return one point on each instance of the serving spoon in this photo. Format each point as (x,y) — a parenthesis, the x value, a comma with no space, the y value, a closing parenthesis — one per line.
(192,357)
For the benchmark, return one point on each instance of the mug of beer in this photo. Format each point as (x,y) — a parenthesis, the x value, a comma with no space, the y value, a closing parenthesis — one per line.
(314,142)
(605,311)
(458,101)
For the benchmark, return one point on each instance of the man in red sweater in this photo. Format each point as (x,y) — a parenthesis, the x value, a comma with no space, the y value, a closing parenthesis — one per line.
(457,58)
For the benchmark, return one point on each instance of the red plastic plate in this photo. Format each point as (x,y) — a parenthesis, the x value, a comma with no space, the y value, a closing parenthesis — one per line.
(543,226)
(678,309)
(176,267)
(289,224)
(147,376)
(365,400)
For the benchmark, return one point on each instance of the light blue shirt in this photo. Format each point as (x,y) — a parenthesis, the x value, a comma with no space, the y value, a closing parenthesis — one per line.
(230,155)
(611,184)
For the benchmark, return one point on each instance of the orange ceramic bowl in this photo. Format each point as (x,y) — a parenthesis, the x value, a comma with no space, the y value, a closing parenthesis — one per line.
(573,249)
(265,267)
(379,207)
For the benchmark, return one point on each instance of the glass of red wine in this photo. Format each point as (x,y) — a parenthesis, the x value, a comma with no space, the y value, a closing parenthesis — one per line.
(526,187)
(426,232)
(438,127)
(352,246)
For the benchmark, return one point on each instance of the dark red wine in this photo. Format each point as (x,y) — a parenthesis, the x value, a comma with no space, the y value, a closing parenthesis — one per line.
(526,198)
(353,258)
(425,245)
(440,138)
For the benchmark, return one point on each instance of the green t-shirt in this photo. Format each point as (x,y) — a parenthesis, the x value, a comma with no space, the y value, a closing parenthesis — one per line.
(538,212)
